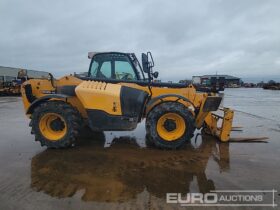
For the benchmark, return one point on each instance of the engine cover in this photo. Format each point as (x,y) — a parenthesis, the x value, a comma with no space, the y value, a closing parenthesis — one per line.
(111,106)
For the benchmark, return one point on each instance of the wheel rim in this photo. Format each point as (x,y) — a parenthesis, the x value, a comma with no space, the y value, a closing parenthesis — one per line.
(52,126)
(171,126)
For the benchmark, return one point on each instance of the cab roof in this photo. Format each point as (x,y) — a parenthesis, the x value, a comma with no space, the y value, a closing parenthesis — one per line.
(91,54)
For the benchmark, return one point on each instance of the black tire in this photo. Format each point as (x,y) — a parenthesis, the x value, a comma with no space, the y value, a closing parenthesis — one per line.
(69,114)
(148,141)
(157,112)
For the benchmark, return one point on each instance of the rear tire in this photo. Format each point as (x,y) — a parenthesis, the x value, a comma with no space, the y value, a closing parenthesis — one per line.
(176,132)
(56,124)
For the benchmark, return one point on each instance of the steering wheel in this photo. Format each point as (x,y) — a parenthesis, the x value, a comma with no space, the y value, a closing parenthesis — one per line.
(126,76)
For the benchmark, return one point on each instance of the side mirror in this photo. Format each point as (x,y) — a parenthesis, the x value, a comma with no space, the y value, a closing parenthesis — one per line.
(145,63)
(155,74)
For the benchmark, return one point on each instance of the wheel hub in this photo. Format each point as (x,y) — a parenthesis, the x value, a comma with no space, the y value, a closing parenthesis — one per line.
(57,124)
(169,125)
(52,126)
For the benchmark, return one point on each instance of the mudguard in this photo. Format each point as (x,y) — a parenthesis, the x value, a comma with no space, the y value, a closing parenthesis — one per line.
(160,97)
(38,101)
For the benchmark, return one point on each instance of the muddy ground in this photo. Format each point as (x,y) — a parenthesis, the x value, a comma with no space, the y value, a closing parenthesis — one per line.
(117,171)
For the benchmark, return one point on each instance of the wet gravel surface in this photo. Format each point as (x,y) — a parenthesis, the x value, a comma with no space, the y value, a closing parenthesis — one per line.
(115,170)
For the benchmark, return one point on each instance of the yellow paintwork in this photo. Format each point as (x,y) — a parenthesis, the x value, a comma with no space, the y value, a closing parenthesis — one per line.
(47,131)
(177,133)
(226,125)
(223,132)
(202,114)
(188,92)
(106,97)
(40,86)
(101,96)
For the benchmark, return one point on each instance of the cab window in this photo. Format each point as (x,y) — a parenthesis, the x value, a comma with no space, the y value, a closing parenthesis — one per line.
(102,70)
(124,70)
(105,70)
(112,66)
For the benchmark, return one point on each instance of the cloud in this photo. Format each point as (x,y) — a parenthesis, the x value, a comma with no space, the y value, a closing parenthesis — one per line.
(187,38)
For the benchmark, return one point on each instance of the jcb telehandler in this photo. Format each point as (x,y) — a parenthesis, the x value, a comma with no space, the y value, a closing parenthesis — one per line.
(115,95)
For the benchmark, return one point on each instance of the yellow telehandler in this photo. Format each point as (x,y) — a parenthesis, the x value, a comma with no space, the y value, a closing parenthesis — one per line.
(116,94)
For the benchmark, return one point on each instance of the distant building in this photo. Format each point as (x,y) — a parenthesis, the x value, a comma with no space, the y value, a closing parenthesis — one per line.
(9,73)
(229,81)
(196,80)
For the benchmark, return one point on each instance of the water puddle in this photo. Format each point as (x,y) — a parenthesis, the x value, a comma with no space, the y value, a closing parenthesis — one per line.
(109,167)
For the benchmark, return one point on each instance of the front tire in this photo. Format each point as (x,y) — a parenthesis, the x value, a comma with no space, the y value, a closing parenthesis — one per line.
(170,125)
(56,124)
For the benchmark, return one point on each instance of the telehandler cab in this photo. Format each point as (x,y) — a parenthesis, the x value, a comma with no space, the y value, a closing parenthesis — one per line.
(116,95)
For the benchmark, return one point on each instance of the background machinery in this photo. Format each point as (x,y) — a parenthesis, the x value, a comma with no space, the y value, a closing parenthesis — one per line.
(10,87)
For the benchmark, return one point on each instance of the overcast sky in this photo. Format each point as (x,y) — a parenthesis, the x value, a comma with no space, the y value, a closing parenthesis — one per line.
(236,37)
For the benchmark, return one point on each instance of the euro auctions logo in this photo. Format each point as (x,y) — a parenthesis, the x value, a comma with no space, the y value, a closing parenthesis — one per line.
(190,198)
(224,198)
